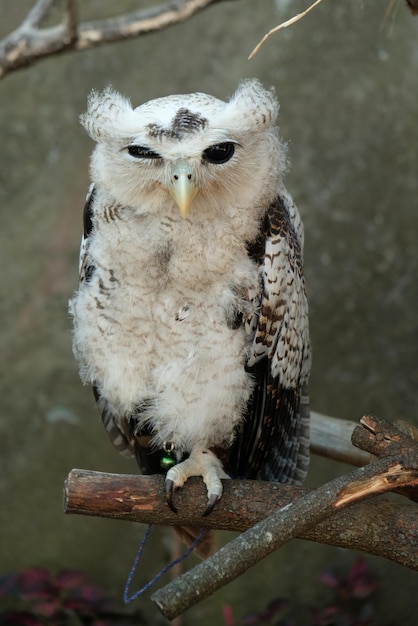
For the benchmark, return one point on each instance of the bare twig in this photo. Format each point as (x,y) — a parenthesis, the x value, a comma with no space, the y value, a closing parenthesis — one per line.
(70,19)
(38,13)
(138,23)
(29,42)
(292,20)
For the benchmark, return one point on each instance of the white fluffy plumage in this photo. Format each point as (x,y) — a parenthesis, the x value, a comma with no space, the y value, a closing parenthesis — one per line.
(190,320)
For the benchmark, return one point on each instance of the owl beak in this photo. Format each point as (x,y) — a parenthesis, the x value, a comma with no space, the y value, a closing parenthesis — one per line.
(183,188)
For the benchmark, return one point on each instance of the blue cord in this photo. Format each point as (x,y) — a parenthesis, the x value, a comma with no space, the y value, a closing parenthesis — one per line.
(165,569)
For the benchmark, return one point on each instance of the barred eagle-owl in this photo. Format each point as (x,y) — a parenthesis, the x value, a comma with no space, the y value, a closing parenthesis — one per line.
(191,318)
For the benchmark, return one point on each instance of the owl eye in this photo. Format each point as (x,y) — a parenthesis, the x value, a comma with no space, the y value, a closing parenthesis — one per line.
(141,152)
(219,153)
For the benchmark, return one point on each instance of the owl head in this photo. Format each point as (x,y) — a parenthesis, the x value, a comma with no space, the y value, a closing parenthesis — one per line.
(192,155)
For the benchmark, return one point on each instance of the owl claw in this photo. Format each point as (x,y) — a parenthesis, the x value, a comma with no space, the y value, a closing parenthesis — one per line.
(201,462)
(212,500)
(169,491)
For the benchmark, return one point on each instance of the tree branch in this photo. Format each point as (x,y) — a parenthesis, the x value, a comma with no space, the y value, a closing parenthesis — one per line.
(138,23)
(299,516)
(30,43)
(331,438)
(377,527)
(38,13)
(382,528)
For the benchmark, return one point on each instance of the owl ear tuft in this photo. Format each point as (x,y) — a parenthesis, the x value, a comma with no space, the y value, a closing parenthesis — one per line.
(260,105)
(106,111)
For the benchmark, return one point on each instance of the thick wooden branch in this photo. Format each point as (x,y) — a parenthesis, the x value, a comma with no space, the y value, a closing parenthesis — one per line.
(253,545)
(331,438)
(109,495)
(378,437)
(30,43)
(377,527)
(381,528)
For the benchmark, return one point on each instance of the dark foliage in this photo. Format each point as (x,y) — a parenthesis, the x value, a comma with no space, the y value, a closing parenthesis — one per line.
(350,604)
(35,597)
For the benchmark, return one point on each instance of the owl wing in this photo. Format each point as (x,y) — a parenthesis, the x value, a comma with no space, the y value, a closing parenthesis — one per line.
(273,440)
(85,268)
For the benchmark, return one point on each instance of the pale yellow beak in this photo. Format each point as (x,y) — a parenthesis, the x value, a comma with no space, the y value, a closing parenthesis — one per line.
(183,188)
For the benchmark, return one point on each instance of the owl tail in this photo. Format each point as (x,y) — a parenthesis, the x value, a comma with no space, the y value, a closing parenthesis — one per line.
(206,546)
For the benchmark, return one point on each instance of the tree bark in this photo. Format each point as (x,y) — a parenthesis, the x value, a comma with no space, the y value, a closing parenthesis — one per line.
(300,513)
(379,527)
(253,545)
(303,511)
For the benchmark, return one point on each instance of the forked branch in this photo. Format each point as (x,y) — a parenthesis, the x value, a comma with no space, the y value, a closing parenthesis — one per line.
(387,529)
(31,42)
(397,467)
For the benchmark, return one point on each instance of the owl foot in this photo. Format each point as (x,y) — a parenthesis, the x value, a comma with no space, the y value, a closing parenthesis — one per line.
(201,462)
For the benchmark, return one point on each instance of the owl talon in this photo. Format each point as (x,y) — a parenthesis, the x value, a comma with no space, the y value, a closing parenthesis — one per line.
(201,462)
(169,492)
(212,500)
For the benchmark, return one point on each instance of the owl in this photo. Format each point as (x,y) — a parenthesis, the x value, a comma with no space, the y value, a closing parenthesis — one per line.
(191,317)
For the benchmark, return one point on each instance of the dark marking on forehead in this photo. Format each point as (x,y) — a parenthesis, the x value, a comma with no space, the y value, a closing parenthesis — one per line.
(184,122)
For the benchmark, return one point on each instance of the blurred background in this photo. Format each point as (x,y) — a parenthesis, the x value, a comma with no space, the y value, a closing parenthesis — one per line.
(347,80)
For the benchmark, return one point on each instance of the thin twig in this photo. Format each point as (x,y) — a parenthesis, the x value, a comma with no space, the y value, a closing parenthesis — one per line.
(292,20)
(38,13)
(70,19)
